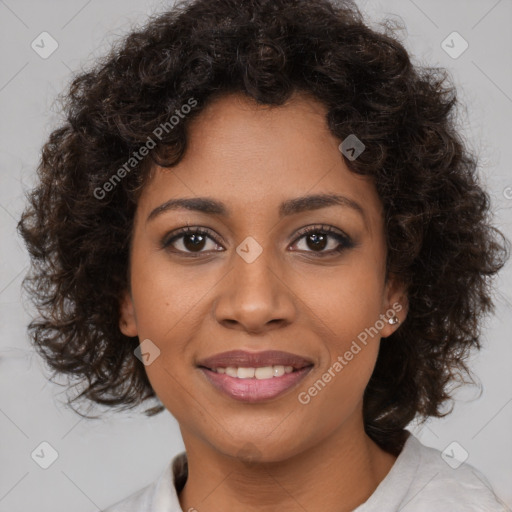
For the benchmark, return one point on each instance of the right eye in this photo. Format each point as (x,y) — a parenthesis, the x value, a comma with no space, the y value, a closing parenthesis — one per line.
(191,241)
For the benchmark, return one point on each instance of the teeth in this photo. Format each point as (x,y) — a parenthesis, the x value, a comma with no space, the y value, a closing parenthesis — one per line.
(263,372)
(232,372)
(245,373)
(278,371)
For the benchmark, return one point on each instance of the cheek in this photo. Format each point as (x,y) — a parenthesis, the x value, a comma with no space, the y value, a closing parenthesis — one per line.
(165,298)
(347,315)
(167,306)
(345,306)
(345,302)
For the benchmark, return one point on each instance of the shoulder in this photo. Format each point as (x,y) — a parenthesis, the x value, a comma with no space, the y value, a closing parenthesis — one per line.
(159,496)
(136,502)
(441,481)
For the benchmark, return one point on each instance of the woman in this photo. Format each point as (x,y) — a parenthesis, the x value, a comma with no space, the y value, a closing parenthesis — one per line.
(261,215)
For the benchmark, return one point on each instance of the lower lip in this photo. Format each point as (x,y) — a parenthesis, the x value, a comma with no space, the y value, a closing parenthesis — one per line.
(255,390)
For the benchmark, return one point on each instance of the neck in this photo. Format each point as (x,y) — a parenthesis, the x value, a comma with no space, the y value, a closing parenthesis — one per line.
(338,474)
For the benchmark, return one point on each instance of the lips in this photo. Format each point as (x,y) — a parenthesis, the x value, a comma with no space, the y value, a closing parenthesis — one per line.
(241,358)
(255,388)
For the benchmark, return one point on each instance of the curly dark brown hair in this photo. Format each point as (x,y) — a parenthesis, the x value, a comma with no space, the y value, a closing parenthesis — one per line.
(440,238)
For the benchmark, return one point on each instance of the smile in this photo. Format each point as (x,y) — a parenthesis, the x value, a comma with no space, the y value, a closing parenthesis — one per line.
(262,372)
(252,377)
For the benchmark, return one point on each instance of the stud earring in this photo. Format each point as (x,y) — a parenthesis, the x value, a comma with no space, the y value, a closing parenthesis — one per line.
(394,320)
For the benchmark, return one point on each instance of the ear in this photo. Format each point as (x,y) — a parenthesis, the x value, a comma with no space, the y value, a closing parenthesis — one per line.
(127,319)
(395,305)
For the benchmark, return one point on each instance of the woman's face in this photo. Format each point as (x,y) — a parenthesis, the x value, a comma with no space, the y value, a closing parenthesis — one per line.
(253,280)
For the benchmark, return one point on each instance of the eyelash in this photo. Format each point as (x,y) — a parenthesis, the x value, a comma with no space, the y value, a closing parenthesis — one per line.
(345,242)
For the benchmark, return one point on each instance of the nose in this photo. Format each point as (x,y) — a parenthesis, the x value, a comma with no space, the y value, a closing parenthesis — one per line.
(254,297)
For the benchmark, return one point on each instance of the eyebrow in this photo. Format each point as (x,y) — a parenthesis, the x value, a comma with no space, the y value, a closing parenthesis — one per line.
(289,207)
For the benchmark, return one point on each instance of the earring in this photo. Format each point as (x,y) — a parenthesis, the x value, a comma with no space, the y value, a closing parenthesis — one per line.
(394,320)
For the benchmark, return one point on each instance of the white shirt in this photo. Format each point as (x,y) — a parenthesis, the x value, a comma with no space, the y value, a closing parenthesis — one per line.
(419,481)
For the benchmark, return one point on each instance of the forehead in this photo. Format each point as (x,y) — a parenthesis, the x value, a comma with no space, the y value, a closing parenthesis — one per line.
(254,157)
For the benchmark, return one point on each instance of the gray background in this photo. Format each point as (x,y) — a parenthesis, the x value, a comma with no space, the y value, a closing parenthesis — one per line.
(103,461)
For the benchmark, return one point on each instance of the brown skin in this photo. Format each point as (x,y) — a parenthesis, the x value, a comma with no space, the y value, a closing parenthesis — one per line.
(315,456)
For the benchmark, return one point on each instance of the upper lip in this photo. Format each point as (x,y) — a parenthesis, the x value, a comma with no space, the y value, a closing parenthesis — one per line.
(241,358)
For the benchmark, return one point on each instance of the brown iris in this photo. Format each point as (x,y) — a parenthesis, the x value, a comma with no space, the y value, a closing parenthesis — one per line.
(194,242)
(318,242)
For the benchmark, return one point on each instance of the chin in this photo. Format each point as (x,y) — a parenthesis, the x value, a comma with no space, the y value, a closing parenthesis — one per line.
(250,451)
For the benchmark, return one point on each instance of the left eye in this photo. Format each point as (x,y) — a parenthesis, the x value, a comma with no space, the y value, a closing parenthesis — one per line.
(323,240)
